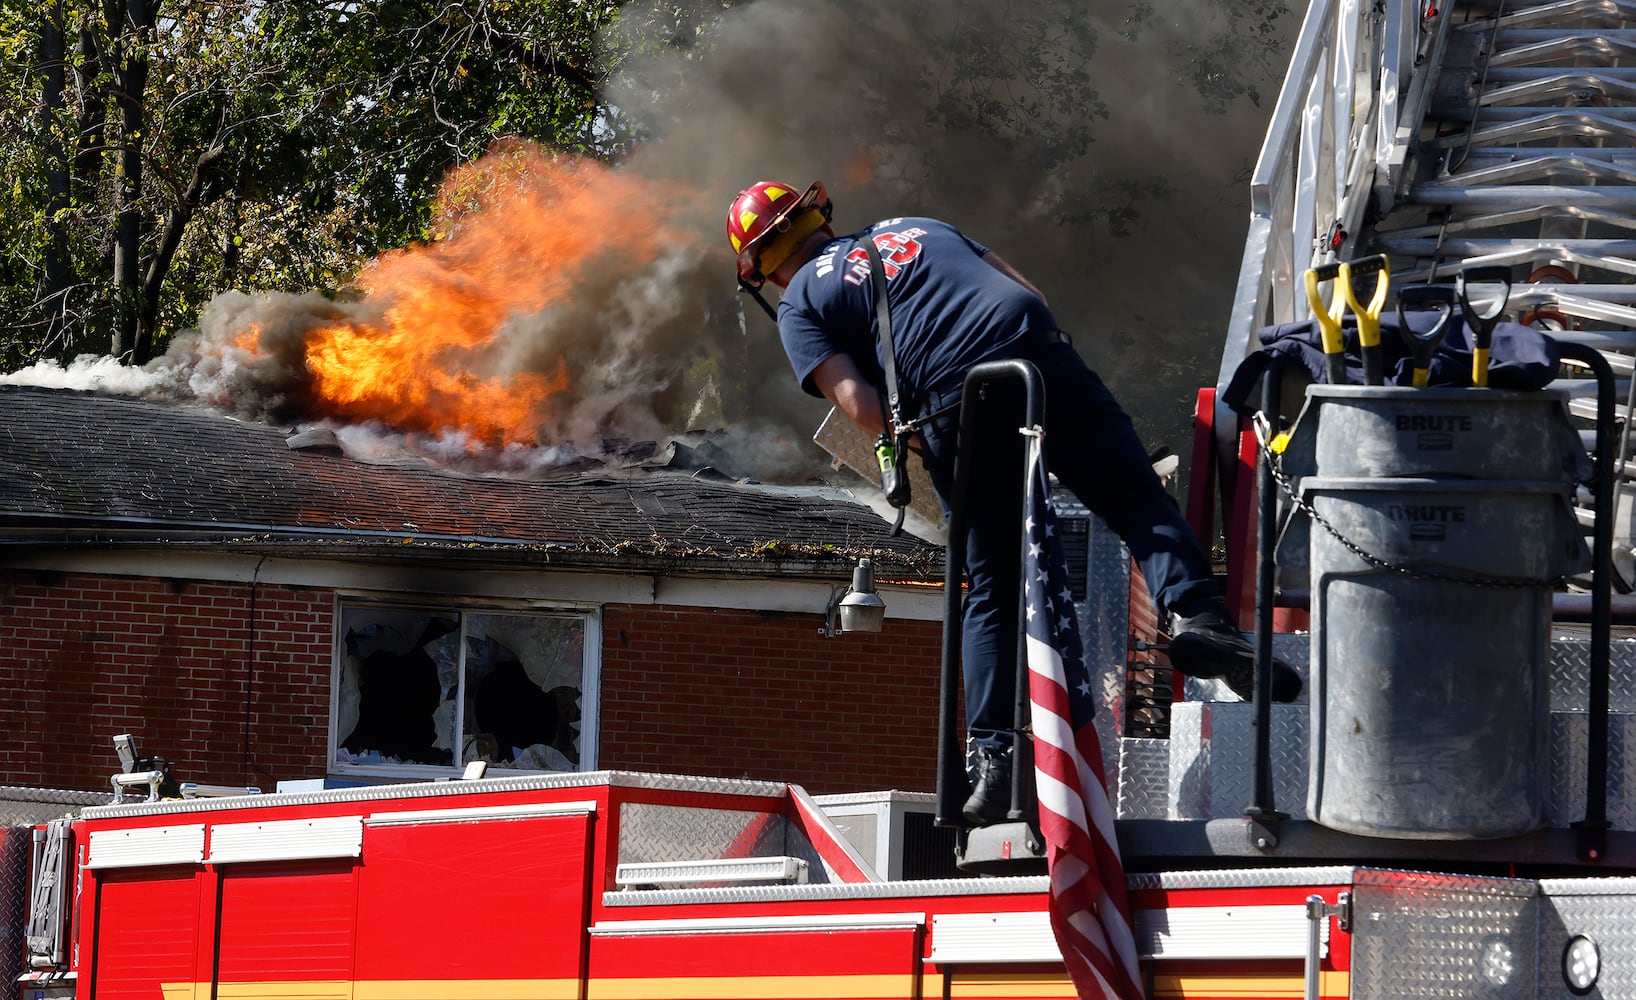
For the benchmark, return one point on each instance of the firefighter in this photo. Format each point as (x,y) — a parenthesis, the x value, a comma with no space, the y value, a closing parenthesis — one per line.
(955,303)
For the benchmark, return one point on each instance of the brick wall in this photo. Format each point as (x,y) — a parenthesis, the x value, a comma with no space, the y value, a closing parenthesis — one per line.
(685,690)
(762,695)
(84,658)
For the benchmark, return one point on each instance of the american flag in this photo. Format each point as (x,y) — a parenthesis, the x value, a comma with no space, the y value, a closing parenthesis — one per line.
(1090,914)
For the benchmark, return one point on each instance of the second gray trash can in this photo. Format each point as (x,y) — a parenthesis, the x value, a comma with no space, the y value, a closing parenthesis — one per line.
(1445,520)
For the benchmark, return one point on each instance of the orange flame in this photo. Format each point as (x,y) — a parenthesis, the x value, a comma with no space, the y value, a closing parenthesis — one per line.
(249,339)
(861,171)
(515,231)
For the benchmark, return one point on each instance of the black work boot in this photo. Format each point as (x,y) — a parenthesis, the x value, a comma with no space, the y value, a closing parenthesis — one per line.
(1208,644)
(990,798)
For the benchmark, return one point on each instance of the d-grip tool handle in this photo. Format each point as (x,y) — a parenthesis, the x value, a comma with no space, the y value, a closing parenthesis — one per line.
(1368,313)
(1422,346)
(1328,318)
(1482,324)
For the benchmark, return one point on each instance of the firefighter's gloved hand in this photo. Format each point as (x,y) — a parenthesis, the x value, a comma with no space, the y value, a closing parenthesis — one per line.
(1208,644)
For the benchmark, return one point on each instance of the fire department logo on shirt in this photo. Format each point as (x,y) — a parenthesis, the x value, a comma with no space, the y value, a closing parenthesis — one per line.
(897,250)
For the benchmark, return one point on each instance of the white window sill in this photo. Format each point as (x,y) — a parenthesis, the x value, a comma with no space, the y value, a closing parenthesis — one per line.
(391,773)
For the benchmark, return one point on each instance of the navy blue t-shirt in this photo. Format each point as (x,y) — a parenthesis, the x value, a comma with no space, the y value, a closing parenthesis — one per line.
(950,308)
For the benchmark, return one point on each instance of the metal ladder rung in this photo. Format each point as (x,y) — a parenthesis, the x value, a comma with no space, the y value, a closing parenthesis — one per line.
(1470,247)
(1557,13)
(1531,254)
(1569,78)
(1554,84)
(1550,160)
(1515,169)
(1608,196)
(1491,115)
(1609,342)
(1541,213)
(1523,47)
(1585,405)
(1559,124)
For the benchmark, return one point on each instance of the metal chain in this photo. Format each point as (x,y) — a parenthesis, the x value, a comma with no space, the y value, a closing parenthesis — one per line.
(1276,464)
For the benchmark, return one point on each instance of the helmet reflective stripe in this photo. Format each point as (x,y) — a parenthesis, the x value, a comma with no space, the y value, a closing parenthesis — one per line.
(763,215)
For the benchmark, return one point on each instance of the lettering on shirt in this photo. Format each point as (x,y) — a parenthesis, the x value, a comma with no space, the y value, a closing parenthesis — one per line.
(897,250)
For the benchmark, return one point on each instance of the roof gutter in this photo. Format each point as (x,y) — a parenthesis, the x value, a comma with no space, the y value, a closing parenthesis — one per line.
(84,529)
(481,552)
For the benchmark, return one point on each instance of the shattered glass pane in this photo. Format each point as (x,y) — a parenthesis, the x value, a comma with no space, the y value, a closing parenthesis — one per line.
(411,692)
(389,685)
(523,678)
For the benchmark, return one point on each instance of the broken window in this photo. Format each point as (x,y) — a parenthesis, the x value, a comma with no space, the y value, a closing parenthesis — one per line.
(445,687)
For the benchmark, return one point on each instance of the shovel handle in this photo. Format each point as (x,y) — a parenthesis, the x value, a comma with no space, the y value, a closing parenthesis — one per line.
(1482,323)
(1368,313)
(1422,346)
(1328,317)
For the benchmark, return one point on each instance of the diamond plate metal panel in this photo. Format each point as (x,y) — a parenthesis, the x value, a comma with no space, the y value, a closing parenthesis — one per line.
(16,852)
(1144,779)
(1189,754)
(1443,883)
(1570,733)
(29,806)
(1571,670)
(1242,878)
(1209,760)
(651,833)
(1433,936)
(1104,618)
(1600,909)
(1211,755)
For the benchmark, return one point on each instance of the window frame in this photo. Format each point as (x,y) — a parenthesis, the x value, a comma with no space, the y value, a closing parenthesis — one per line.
(590,698)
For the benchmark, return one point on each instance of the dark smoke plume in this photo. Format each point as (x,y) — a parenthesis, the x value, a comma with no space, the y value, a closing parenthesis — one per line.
(1101,149)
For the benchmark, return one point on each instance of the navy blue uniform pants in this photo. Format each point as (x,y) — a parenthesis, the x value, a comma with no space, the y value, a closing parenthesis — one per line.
(1093,450)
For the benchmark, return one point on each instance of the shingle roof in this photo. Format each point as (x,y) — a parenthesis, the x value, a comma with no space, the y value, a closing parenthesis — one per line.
(153,469)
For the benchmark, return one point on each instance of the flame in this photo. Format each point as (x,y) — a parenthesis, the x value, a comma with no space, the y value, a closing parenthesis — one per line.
(248,339)
(516,231)
(861,171)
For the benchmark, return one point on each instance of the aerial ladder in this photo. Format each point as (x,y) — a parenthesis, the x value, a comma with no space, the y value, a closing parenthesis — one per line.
(1494,140)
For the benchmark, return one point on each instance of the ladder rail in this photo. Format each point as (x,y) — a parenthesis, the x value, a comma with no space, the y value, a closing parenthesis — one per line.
(1325,156)
(1450,136)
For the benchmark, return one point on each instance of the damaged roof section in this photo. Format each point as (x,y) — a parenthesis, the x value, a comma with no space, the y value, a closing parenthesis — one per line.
(150,470)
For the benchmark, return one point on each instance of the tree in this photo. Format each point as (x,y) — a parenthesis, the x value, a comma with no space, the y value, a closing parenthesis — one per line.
(172,151)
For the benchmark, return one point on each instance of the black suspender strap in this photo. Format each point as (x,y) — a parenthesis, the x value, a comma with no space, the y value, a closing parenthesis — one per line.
(894,480)
(883,327)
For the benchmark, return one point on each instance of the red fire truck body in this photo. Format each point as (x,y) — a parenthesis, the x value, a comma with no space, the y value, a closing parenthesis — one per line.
(603,886)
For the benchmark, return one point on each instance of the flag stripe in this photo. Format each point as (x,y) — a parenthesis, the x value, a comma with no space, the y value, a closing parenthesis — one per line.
(1090,914)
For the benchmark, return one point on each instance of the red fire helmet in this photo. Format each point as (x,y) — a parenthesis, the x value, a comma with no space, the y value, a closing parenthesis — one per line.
(768,220)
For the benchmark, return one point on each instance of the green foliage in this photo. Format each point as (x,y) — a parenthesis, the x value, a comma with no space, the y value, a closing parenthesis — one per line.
(284,143)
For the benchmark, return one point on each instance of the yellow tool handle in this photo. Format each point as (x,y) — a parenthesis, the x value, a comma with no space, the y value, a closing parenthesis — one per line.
(1479,367)
(1368,314)
(1328,318)
(1421,377)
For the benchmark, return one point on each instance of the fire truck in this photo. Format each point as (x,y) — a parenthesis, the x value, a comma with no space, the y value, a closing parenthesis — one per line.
(1448,812)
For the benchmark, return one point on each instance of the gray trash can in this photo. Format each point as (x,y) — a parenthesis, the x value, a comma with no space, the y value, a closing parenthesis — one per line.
(1357,430)
(1429,693)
